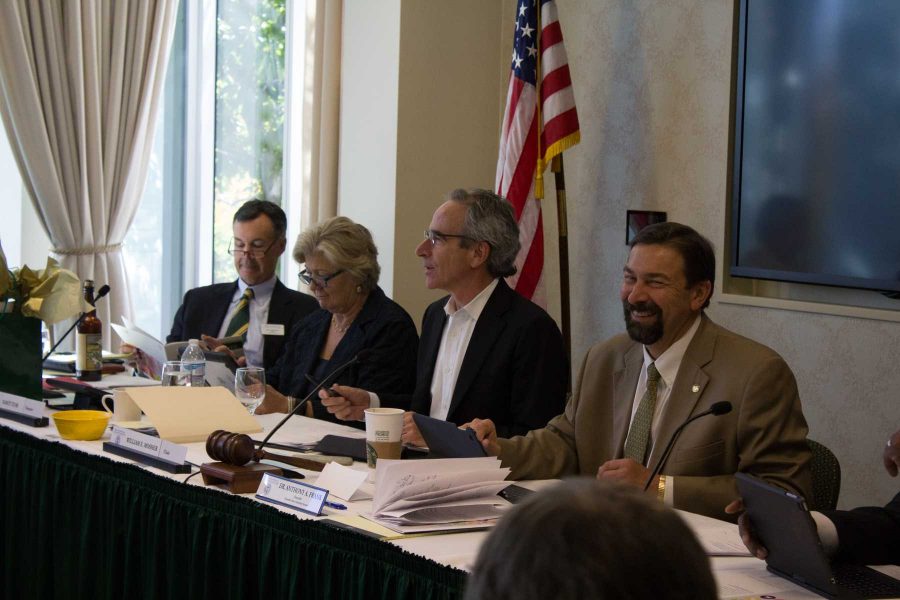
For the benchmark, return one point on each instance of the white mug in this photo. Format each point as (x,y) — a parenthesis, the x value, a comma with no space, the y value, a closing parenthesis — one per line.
(125,408)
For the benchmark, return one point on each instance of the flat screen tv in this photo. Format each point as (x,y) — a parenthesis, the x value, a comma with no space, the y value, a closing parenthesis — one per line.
(816,142)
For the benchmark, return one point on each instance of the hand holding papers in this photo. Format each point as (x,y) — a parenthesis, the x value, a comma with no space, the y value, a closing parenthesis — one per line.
(438,495)
(151,353)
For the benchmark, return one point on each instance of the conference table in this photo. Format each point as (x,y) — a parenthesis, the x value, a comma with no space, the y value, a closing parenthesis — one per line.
(79,522)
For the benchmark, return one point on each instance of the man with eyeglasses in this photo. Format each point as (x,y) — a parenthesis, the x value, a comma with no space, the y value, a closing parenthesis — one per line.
(485,351)
(257,310)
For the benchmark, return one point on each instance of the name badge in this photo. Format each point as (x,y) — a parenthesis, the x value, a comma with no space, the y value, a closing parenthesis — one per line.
(287,492)
(273,329)
(21,405)
(148,445)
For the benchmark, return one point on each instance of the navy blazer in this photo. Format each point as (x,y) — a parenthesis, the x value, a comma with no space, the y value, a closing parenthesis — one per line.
(869,535)
(382,327)
(204,309)
(515,371)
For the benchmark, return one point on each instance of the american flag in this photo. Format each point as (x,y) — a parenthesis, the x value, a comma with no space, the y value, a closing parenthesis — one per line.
(532,135)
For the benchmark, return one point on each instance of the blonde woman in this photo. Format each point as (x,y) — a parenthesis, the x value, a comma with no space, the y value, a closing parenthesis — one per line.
(340,265)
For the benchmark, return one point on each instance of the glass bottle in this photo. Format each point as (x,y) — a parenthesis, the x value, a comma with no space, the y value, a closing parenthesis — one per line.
(88,341)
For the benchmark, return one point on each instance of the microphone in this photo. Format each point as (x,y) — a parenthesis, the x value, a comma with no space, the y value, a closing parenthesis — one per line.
(100,293)
(718,408)
(361,356)
(238,449)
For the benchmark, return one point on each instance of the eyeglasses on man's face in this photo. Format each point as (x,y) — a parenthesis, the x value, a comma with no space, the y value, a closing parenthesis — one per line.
(254,250)
(435,236)
(320,280)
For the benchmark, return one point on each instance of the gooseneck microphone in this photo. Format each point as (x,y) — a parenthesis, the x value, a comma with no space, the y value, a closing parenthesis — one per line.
(100,293)
(361,356)
(718,408)
(237,449)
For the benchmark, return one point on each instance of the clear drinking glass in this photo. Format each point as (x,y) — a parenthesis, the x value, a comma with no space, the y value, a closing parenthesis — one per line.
(174,373)
(250,386)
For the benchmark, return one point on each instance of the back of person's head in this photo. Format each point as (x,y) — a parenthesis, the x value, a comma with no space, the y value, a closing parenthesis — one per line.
(346,245)
(696,251)
(585,538)
(251,209)
(490,218)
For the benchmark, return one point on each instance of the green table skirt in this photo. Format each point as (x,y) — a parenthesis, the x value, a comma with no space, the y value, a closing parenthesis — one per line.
(73,525)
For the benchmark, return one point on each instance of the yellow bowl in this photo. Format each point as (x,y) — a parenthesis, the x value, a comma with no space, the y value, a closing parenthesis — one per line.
(81,424)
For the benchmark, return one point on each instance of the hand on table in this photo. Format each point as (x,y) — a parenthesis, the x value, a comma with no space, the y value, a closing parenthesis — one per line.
(274,402)
(629,472)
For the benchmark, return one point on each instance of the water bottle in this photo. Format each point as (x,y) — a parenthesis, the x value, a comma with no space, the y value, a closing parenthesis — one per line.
(194,362)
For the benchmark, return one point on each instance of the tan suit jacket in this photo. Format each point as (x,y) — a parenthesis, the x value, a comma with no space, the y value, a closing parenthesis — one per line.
(764,434)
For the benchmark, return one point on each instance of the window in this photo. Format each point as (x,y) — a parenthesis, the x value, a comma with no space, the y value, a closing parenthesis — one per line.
(249,115)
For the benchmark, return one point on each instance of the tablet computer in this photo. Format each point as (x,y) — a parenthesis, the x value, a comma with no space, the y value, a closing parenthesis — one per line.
(446,440)
(787,530)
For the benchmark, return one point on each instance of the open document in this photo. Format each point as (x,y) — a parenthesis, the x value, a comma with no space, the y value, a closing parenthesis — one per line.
(155,353)
(414,496)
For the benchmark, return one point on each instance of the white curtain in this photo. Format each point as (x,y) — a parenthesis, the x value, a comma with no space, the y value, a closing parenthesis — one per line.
(80,83)
(321,108)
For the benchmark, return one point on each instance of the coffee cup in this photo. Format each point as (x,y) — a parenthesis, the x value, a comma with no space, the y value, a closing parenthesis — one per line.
(124,408)
(383,429)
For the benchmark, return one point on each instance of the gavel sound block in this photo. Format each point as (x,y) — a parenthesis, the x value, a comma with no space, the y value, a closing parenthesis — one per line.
(234,451)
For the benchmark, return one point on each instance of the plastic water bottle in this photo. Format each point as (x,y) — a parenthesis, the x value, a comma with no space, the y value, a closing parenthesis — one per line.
(194,362)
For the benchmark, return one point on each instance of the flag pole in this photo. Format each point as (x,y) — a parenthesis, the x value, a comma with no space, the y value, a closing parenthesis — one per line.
(556,165)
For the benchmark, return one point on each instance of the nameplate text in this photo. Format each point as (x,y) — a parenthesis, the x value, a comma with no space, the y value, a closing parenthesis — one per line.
(21,405)
(287,492)
(148,445)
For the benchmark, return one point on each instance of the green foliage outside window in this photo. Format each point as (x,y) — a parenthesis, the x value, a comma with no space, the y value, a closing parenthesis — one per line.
(250,114)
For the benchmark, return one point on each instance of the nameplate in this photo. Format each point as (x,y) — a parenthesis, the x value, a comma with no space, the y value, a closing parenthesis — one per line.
(148,445)
(21,405)
(287,492)
(273,329)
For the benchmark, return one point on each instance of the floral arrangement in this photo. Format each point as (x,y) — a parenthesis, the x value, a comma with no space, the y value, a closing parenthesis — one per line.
(50,294)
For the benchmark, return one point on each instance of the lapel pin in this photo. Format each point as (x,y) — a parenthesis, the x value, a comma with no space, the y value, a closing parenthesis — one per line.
(696,388)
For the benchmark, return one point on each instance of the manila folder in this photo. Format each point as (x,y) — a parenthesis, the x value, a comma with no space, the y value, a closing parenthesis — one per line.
(190,414)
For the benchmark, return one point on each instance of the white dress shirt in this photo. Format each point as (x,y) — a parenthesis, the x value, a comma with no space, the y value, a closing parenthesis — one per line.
(259,316)
(454,343)
(667,364)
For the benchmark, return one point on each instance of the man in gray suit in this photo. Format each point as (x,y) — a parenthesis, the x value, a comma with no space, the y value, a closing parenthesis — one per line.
(635,390)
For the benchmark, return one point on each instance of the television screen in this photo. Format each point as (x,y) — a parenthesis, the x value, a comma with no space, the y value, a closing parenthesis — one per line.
(816,154)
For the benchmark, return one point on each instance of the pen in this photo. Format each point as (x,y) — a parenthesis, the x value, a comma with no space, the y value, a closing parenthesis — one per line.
(335,505)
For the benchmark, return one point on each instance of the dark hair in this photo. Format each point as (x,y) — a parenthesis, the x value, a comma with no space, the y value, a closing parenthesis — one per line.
(584,538)
(490,218)
(696,251)
(251,209)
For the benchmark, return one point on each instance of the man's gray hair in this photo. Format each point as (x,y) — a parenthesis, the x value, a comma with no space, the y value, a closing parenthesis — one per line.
(490,219)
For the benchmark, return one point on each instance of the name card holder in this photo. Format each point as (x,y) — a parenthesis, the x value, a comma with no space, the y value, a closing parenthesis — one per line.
(23,410)
(147,450)
(293,494)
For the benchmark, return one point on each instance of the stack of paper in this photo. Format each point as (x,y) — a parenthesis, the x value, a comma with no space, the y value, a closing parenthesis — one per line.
(438,495)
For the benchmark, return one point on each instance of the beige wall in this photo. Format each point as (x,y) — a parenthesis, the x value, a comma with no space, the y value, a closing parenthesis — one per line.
(428,124)
(652,87)
(447,128)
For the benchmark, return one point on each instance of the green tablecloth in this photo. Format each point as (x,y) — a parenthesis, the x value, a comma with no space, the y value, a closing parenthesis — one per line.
(73,525)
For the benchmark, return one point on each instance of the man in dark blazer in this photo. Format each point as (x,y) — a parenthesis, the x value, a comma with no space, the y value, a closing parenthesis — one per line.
(259,239)
(635,390)
(485,351)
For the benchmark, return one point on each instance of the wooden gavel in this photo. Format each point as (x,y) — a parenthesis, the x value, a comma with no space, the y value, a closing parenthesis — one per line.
(238,449)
